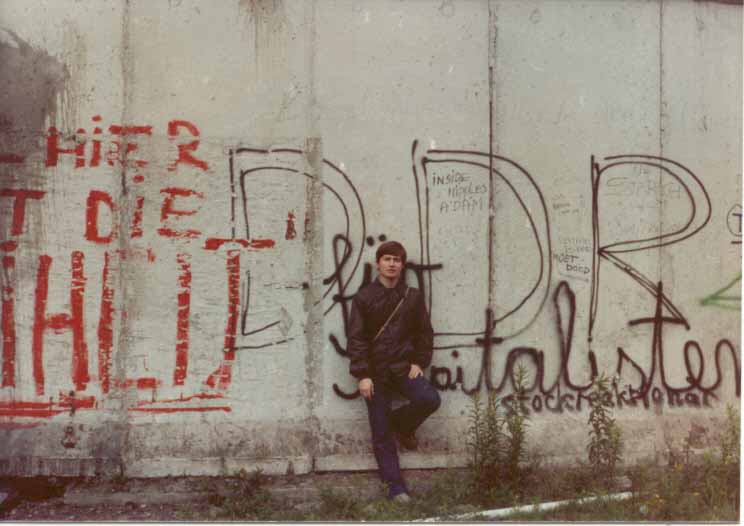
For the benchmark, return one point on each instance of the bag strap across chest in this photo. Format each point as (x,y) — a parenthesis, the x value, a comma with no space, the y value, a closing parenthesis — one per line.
(384,325)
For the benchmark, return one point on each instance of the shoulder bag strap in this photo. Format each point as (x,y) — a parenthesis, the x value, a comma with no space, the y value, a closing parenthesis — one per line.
(391,316)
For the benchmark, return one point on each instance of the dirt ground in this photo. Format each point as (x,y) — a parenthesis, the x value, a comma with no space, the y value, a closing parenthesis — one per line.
(53,499)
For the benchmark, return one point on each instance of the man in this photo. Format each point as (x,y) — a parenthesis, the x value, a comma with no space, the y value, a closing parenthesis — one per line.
(390,344)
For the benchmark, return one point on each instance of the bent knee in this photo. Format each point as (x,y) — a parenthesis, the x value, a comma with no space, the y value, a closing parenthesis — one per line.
(431,401)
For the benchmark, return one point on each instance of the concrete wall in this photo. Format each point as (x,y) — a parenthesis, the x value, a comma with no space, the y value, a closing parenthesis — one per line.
(191,192)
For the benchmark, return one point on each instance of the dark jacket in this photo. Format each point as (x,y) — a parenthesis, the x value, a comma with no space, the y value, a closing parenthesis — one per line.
(407,339)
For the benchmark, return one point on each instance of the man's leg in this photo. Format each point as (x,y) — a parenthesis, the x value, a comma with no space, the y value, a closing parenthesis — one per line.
(423,401)
(383,443)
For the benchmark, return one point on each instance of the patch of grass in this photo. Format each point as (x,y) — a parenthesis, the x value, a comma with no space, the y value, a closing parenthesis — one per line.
(599,510)
(689,488)
(704,489)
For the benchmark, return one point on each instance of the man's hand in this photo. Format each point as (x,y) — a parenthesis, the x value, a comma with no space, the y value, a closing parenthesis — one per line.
(367,388)
(415,371)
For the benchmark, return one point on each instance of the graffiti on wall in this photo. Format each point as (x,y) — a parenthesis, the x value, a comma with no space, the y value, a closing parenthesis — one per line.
(482,200)
(118,149)
(563,392)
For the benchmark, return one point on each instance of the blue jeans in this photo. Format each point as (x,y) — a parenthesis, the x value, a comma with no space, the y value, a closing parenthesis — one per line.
(423,401)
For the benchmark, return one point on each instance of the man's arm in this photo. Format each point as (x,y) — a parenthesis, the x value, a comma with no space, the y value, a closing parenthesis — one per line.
(423,339)
(357,344)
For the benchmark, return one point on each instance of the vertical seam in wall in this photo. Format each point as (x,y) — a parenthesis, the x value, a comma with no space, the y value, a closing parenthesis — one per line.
(313,239)
(661,134)
(659,424)
(121,348)
(491,204)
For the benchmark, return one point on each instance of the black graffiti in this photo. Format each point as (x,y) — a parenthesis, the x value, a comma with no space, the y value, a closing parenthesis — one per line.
(733,221)
(693,378)
(697,195)
(343,299)
(442,377)
(536,213)
(264,164)
(565,394)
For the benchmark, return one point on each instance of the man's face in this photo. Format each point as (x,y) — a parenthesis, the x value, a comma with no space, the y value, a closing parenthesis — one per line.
(390,266)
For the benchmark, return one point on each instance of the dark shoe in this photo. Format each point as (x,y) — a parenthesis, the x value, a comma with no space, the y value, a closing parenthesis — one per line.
(408,440)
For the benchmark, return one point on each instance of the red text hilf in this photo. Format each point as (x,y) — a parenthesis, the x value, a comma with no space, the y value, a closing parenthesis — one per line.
(120,147)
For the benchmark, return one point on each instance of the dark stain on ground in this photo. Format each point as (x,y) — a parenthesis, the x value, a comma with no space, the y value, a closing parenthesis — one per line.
(23,489)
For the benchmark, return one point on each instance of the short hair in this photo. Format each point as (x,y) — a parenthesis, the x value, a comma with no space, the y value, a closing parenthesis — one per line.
(392,248)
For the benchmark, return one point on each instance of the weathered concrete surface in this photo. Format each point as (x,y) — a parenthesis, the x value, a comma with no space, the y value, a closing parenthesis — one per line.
(190,195)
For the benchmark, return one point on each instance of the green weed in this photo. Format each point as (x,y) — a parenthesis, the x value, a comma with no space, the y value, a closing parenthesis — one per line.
(498,460)
(605,437)
(249,500)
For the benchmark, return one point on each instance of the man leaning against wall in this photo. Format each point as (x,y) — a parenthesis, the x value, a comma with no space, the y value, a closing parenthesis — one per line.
(390,343)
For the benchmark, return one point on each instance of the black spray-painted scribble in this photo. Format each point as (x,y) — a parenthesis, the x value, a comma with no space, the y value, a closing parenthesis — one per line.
(474,184)
(509,179)
(733,222)
(247,164)
(564,392)
(698,198)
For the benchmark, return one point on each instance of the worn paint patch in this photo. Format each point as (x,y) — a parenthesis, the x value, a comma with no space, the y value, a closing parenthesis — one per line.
(267,21)
(31,82)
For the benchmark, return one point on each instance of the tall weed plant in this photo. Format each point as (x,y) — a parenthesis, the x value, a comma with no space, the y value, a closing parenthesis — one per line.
(496,443)
(605,436)
(701,489)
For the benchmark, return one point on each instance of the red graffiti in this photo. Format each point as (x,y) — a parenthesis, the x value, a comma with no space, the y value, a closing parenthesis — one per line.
(28,409)
(95,199)
(74,402)
(115,129)
(291,233)
(167,210)
(59,322)
(105,327)
(120,152)
(114,145)
(222,377)
(80,375)
(8,323)
(95,158)
(226,409)
(139,383)
(53,149)
(185,151)
(182,329)
(128,148)
(214,243)
(19,206)
(182,399)
(11,158)
(136,230)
